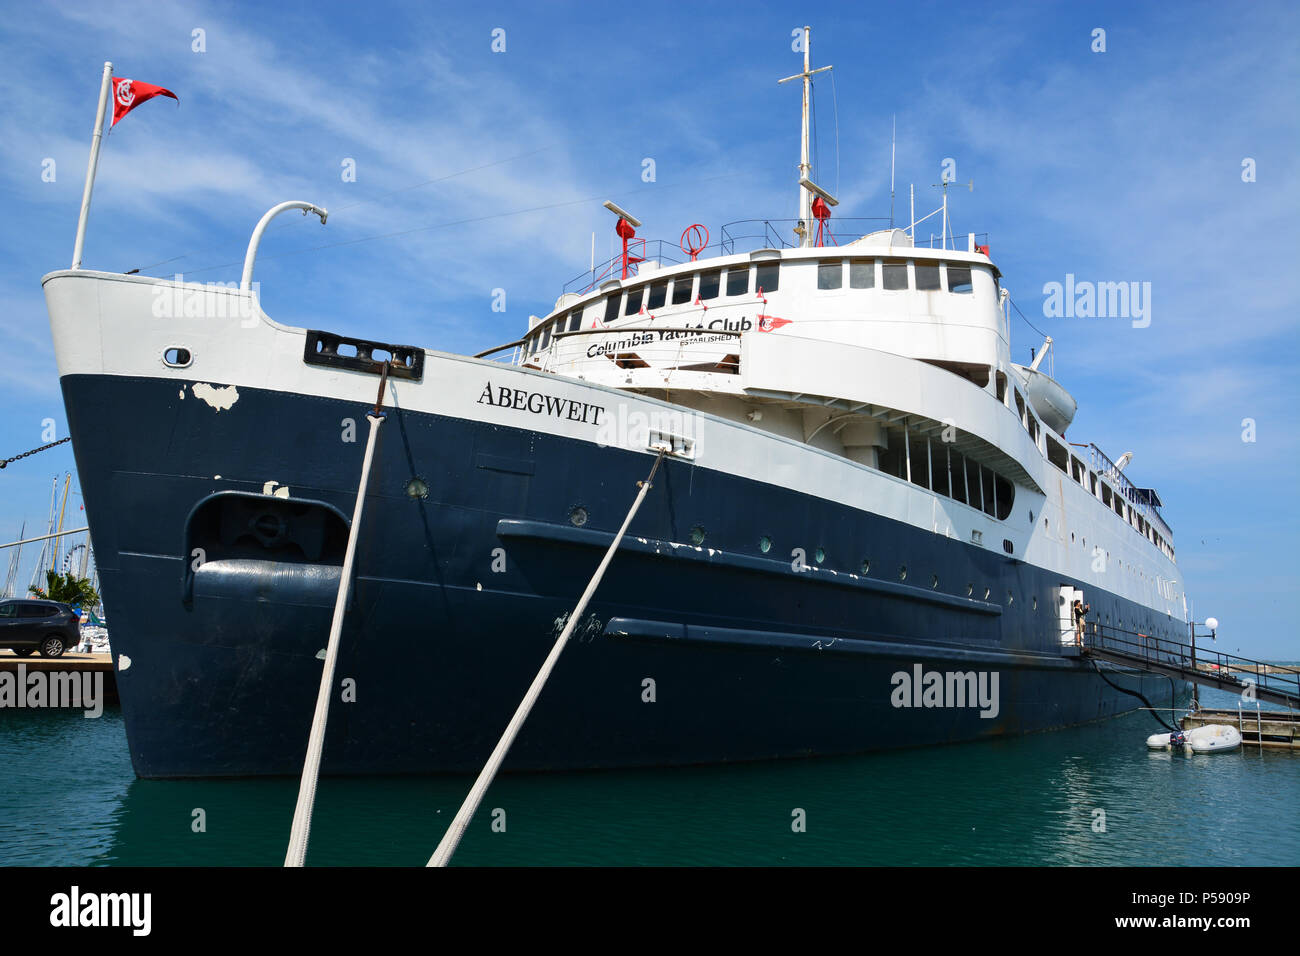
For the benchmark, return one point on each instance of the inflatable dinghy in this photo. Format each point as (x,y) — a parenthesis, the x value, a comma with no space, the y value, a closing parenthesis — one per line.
(1212,738)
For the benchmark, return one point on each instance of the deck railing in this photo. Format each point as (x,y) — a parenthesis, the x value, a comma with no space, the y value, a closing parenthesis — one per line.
(1227,670)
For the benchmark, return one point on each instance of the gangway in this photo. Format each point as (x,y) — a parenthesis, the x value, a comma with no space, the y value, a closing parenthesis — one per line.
(1253,679)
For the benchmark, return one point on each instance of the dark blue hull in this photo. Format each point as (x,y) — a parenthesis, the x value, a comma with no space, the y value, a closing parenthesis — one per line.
(749,658)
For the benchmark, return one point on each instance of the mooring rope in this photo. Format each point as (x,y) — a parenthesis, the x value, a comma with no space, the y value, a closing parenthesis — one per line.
(297,851)
(451,839)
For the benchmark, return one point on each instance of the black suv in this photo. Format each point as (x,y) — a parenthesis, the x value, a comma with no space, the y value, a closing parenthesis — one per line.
(46,626)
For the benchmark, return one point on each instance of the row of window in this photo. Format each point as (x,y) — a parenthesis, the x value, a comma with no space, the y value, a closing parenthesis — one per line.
(938,466)
(892,275)
(746,279)
(28,610)
(1059,456)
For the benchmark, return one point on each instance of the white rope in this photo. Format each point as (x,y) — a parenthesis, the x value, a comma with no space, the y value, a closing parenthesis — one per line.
(451,839)
(297,851)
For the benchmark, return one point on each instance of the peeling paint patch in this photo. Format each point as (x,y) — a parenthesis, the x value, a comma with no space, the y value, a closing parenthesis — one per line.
(123,663)
(281,492)
(219,398)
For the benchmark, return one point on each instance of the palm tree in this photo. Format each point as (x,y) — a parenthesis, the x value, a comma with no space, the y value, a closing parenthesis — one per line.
(67,589)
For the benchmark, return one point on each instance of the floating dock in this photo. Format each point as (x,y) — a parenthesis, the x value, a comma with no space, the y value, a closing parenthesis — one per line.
(1259,728)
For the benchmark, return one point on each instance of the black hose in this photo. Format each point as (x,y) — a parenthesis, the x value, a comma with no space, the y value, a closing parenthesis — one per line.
(1143,699)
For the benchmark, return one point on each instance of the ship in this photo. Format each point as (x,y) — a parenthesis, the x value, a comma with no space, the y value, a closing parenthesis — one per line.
(867,528)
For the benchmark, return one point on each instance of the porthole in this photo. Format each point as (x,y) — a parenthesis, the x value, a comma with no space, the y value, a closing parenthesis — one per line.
(1071,537)
(1035,602)
(987,592)
(820,555)
(177,357)
(866,566)
(934,581)
(697,536)
(578,516)
(765,544)
(1011,599)
(902,572)
(417,488)
(970,589)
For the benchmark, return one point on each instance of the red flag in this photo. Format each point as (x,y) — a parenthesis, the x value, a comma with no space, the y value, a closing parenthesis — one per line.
(770,323)
(128,94)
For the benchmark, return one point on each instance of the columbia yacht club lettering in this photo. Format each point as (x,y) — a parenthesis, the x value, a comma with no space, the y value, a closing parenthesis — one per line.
(700,335)
(538,403)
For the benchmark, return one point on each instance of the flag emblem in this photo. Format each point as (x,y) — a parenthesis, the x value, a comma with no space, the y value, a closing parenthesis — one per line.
(128,94)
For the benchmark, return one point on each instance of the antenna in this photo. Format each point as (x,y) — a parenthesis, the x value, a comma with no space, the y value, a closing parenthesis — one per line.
(805,168)
(943,237)
(893,143)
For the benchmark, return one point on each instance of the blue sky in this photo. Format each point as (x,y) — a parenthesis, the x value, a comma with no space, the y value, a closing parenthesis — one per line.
(1117,166)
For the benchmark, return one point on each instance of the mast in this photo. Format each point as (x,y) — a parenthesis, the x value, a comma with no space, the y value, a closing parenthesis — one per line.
(39,569)
(14,563)
(805,167)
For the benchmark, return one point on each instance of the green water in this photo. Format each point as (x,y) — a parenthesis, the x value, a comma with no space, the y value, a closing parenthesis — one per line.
(68,797)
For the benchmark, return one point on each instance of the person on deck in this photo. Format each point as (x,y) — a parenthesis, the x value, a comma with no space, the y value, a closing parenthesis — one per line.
(1080,612)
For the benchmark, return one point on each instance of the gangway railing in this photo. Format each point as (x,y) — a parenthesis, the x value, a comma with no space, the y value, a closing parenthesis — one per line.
(1209,668)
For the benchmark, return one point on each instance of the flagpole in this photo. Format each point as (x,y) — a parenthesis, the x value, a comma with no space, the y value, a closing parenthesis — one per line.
(93,165)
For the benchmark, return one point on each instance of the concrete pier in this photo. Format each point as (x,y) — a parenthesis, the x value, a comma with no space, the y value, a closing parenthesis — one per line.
(68,663)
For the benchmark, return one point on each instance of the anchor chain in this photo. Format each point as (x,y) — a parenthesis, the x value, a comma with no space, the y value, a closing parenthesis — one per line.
(4,463)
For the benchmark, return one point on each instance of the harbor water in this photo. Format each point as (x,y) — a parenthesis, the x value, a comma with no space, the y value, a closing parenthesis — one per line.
(1090,795)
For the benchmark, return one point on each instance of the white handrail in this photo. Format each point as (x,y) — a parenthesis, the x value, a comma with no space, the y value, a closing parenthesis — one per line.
(246,281)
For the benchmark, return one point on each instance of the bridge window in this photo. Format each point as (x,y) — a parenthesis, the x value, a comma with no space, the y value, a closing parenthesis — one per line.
(1077,470)
(682,288)
(710,283)
(894,275)
(919,454)
(634,297)
(973,487)
(959,279)
(1057,454)
(611,308)
(862,274)
(830,275)
(738,280)
(575,320)
(927,276)
(546,339)
(939,468)
(658,295)
(987,485)
(1005,493)
(957,471)
(768,276)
